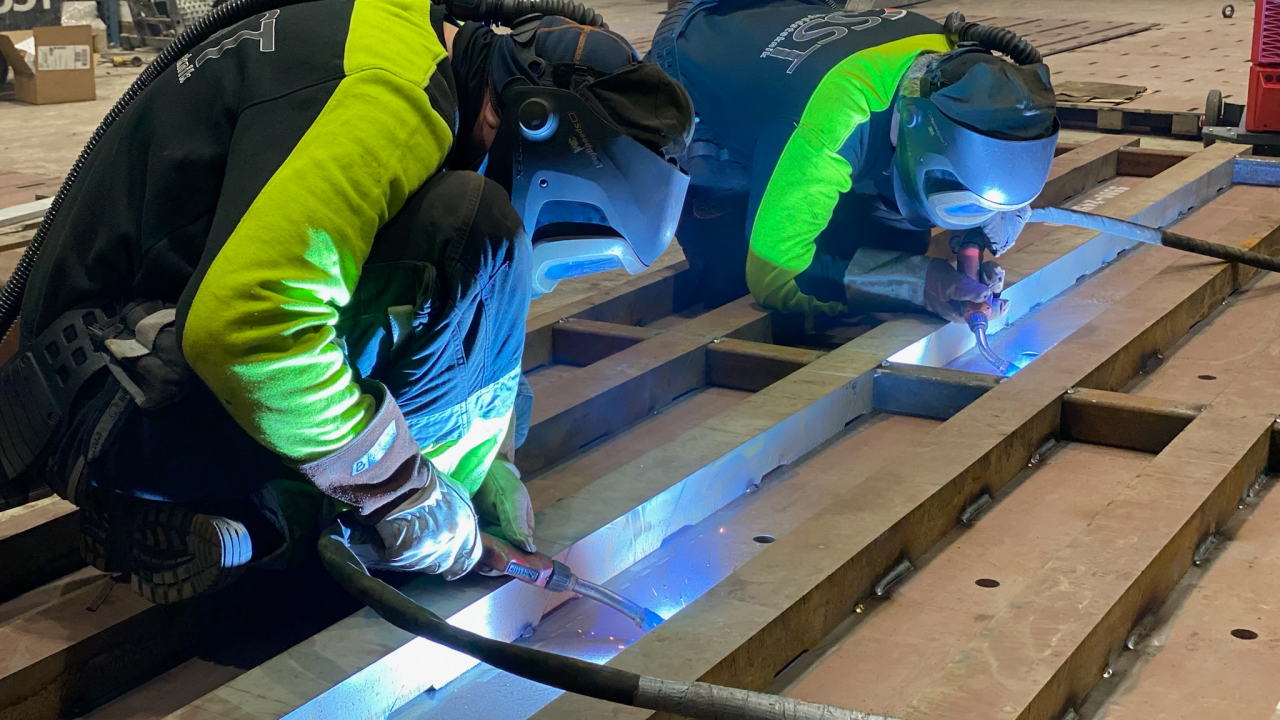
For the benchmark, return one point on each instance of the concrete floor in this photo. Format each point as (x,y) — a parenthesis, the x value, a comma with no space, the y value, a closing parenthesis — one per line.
(46,139)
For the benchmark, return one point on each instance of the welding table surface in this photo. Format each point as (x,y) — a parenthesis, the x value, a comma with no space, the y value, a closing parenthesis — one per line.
(890,651)
(1211,155)
(884,658)
(1196,663)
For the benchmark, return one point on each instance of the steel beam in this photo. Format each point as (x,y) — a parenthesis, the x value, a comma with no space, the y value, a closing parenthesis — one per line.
(637,301)
(579,342)
(605,397)
(24,213)
(923,391)
(1133,422)
(1147,538)
(40,542)
(1256,171)
(754,366)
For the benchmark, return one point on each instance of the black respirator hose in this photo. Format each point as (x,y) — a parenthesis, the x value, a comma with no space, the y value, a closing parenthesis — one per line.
(697,700)
(996,39)
(221,17)
(507,12)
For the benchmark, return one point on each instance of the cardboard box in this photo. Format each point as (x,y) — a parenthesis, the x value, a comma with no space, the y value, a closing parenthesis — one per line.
(59,70)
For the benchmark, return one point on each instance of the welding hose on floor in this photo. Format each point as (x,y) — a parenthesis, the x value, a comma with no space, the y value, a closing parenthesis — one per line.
(1155,236)
(700,701)
(221,17)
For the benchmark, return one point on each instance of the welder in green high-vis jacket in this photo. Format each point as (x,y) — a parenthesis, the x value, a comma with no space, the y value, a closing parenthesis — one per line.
(829,143)
(279,291)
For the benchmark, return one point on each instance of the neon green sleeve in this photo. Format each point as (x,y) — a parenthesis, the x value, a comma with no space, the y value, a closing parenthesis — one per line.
(260,330)
(812,171)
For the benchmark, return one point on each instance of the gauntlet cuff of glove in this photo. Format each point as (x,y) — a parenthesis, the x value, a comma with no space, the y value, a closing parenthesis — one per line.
(376,470)
(885,281)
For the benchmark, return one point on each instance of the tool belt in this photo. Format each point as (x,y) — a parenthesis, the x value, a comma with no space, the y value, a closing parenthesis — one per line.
(40,383)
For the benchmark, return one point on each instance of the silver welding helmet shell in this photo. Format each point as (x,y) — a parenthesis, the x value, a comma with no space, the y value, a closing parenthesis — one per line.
(949,176)
(976,136)
(591,197)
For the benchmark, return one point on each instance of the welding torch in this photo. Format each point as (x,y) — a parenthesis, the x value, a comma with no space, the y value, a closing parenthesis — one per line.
(554,576)
(969,258)
(969,262)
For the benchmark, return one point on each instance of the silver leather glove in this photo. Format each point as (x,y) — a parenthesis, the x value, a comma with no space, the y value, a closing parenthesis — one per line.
(435,530)
(887,281)
(404,514)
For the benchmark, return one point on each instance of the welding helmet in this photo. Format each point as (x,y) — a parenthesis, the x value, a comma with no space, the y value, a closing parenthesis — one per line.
(976,136)
(586,146)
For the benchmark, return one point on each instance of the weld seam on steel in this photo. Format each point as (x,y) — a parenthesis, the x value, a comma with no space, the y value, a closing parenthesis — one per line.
(976,509)
(893,578)
(714,702)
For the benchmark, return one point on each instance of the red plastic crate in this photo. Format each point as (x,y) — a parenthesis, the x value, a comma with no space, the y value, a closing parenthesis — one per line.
(1263,108)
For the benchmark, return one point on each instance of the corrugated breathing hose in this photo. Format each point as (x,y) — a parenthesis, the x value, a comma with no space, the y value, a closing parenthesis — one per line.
(996,39)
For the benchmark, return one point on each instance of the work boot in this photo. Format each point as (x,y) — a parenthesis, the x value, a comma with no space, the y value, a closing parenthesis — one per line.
(12,492)
(178,554)
(170,553)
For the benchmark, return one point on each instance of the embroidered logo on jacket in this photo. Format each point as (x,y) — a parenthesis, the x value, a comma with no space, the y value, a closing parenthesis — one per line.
(265,35)
(818,30)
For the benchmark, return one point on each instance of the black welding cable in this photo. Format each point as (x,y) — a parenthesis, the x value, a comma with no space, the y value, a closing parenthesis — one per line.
(221,17)
(700,701)
(996,39)
(1155,236)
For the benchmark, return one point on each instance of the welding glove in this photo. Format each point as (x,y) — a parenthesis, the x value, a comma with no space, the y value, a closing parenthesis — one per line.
(503,503)
(403,514)
(435,531)
(999,233)
(887,281)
